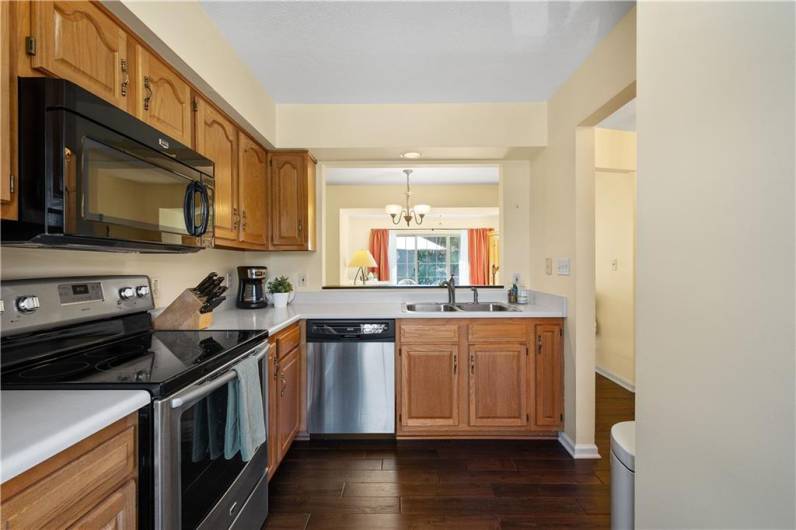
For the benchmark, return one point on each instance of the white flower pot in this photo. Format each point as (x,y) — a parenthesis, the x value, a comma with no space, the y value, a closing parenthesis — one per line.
(282,299)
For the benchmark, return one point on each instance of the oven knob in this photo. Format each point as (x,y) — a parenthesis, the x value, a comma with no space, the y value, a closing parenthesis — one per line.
(125,293)
(28,304)
(141,291)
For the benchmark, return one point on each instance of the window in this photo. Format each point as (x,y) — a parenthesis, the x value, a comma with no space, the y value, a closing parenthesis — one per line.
(428,258)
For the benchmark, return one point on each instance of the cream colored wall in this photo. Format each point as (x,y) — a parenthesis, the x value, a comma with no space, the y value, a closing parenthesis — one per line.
(558,206)
(515,221)
(173,272)
(614,227)
(356,224)
(614,248)
(340,197)
(412,125)
(715,284)
(192,38)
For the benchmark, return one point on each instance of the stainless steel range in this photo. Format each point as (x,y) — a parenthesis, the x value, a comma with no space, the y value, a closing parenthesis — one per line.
(95,333)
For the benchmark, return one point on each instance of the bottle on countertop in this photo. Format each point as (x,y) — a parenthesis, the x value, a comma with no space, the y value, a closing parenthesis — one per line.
(513,293)
(522,295)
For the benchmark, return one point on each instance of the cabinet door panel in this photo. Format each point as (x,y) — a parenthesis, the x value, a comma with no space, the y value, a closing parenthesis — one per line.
(116,512)
(288,403)
(5,103)
(429,385)
(549,384)
(164,99)
(498,385)
(252,165)
(288,201)
(217,139)
(78,42)
(273,423)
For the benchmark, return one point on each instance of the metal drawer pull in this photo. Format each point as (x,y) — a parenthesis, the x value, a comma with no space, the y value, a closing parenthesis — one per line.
(207,387)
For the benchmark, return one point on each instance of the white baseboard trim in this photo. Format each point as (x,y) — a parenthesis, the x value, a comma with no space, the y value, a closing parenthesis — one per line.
(624,383)
(580,450)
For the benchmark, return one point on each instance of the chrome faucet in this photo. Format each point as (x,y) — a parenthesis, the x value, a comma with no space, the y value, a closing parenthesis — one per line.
(450,283)
(475,294)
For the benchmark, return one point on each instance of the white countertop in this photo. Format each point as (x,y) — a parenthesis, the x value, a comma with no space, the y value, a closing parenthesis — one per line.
(38,424)
(274,319)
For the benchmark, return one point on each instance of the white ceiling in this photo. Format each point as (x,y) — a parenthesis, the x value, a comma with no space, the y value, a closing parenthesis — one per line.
(623,119)
(413,52)
(421,175)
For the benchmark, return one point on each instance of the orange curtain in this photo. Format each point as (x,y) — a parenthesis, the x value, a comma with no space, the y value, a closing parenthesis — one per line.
(478,252)
(379,248)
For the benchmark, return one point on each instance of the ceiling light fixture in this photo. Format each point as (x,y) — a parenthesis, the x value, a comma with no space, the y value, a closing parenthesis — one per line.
(411,155)
(407,213)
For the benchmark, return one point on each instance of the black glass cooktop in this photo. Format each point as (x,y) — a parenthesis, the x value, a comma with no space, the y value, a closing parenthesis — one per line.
(117,354)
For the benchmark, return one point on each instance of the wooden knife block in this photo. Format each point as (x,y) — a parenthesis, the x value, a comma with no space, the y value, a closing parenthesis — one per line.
(183,314)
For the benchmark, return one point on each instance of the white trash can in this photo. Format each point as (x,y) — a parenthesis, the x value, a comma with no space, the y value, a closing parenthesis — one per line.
(623,475)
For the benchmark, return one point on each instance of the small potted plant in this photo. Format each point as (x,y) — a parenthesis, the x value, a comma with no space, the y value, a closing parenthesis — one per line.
(281,291)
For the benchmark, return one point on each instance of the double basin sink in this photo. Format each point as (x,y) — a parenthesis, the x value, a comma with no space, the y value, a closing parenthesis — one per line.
(434,307)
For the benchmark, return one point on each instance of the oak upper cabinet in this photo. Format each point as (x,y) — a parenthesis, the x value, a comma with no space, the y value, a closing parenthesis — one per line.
(5,103)
(163,99)
(217,139)
(292,200)
(252,184)
(288,402)
(79,42)
(429,385)
(548,381)
(498,385)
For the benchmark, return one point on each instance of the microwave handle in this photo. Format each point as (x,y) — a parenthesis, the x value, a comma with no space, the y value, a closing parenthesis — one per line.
(188,207)
(205,197)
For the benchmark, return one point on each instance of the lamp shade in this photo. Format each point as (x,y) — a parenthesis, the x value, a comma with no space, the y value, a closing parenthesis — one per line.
(422,209)
(362,258)
(393,209)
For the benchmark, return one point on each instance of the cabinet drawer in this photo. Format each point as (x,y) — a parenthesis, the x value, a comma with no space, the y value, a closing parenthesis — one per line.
(287,340)
(50,501)
(429,332)
(498,331)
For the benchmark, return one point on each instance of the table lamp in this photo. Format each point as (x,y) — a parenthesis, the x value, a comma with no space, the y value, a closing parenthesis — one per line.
(362,259)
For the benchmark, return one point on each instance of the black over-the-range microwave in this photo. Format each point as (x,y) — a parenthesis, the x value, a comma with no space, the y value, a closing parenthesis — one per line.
(93,177)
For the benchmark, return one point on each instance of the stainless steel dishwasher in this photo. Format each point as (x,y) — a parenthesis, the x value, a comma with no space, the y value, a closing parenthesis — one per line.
(350,377)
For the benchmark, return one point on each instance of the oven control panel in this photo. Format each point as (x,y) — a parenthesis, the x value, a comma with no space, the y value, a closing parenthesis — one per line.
(30,305)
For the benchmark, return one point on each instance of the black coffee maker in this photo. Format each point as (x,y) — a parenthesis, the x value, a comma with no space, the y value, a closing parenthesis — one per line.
(251,287)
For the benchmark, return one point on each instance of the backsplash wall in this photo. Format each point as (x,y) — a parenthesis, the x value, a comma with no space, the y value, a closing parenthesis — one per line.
(173,272)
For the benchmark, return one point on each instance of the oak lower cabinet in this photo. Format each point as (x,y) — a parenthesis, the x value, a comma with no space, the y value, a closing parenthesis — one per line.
(498,385)
(79,42)
(292,200)
(89,485)
(163,99)
(479,378)
(430,396)
(284,394)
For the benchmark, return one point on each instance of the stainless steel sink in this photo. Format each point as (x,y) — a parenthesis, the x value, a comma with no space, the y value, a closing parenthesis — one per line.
(485,307)
(434,307)
(430,307)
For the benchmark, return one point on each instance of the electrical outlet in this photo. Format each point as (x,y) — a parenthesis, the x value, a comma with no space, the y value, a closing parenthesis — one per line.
(155,290)
(515,278)
(229,279)
(548,266)
(301,279)
(614,265)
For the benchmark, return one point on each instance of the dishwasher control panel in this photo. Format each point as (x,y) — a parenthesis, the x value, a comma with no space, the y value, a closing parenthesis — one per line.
(347,330)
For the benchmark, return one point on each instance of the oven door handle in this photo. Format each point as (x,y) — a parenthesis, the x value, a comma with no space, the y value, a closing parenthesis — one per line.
(212,384)
(205,197)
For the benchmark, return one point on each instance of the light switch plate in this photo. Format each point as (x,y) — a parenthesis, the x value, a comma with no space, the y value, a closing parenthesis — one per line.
(301,279)
(563,266)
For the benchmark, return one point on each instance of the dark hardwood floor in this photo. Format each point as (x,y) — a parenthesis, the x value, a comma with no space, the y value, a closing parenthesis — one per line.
(461,485)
